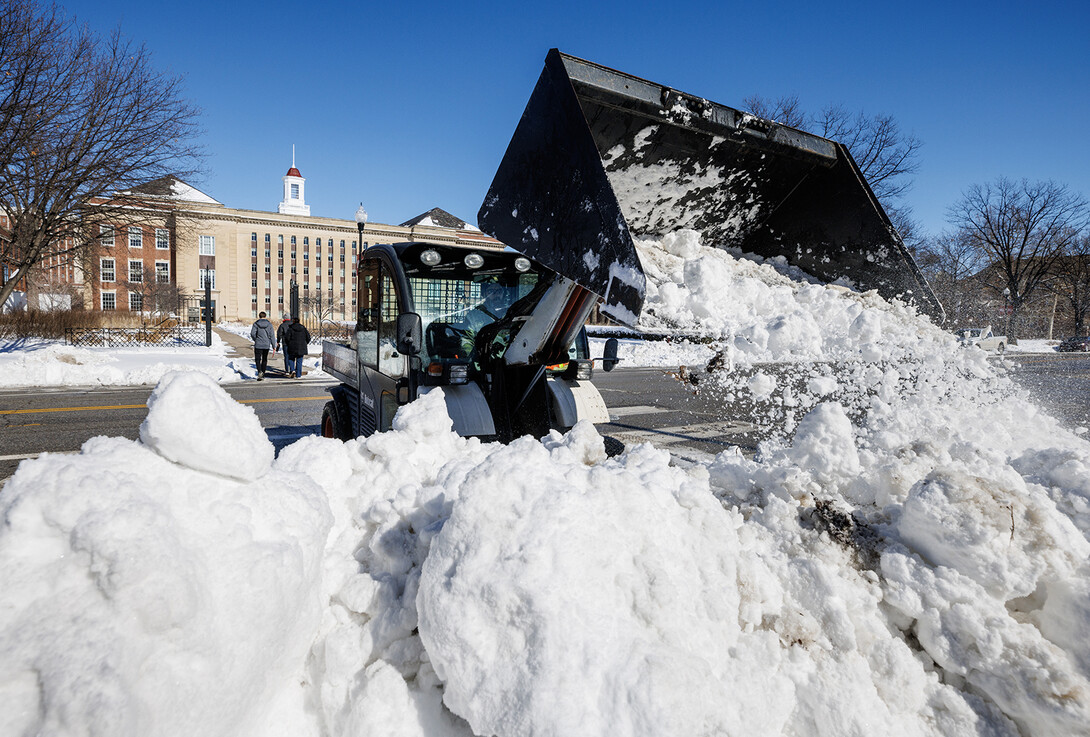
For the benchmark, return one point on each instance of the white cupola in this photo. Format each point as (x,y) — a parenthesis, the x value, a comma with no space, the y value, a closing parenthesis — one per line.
(294,202)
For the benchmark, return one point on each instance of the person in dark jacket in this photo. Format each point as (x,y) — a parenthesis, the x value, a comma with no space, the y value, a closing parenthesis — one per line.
(264,338)
(297,338)
(282,340)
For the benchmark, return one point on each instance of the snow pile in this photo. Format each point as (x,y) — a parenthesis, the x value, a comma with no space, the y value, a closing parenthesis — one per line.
(50,363)
(143,596)
(908,558)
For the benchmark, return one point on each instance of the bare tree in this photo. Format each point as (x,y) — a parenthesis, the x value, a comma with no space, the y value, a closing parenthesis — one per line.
(82,119)
(157,298)
(321,307)
(1071,281)
(886,155)
(1020,229)
(949,260)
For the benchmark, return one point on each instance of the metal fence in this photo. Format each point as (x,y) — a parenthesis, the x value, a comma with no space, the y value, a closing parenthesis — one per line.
(153,335)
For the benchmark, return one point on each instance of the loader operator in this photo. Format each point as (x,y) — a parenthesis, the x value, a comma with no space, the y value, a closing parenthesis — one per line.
(495,299)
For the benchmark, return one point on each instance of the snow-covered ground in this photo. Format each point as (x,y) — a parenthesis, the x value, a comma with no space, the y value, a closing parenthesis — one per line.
(909,558)
(40,363)
(52,363)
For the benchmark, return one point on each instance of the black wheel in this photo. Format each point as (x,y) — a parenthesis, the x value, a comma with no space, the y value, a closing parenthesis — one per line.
(1002,348)
(334,424)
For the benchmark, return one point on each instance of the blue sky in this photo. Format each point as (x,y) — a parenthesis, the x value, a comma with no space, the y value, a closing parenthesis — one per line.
(409,106)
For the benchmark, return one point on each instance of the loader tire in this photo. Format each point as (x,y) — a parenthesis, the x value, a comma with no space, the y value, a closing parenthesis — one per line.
(334,425)
(1001,349)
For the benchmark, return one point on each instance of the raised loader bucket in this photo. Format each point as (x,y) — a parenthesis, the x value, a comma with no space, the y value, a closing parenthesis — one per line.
(600,156)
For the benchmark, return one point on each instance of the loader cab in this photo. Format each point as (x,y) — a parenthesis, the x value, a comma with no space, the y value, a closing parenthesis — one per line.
(459,295)
(463,298)
(385,372)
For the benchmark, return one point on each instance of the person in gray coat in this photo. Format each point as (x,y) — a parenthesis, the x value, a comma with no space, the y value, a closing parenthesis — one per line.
(264,338)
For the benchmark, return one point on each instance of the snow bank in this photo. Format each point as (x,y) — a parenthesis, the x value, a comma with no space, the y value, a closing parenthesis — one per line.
(907,556)
(147,592)
(50,363)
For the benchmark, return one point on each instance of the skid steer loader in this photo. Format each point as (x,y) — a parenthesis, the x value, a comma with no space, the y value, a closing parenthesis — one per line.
(598,157)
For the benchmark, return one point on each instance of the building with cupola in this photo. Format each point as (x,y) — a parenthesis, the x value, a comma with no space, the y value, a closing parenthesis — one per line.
(248,257)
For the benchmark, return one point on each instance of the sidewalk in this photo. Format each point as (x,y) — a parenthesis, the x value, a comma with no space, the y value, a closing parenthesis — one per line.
(243,348)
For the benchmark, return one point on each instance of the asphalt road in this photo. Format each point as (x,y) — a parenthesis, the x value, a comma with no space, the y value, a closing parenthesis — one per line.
(34,421)
(1060,383)
(645,405)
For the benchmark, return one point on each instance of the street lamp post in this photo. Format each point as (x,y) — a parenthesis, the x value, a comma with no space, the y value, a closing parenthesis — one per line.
(361,223)
(1008,310)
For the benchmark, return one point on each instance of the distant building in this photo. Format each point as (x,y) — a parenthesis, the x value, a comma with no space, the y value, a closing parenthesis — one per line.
(250,257)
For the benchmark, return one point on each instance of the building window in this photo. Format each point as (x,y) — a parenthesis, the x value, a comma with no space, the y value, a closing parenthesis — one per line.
(306,270)
(342,258)
(293,240)
(109,301)
(106,269)
(136,271)
(331,272)
(293,255)
(342,273)
(293,269)
(353,246)
(136,301)
(162,272)
(210,274)
(306,241)
(253,267)
(136,238)
(253,253)
(280,299)
(253,283)
(266,237)
(295,191)
(342,245)
(162,239)
(253,237)
(280,253)
(280,269)
(280,240)
(268,253)
(268,268)
(331,255)
(106,235)
(268,285)
(208,245)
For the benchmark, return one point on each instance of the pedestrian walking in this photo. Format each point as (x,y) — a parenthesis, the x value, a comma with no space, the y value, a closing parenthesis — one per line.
(264,338)
(297,340)
(282,340)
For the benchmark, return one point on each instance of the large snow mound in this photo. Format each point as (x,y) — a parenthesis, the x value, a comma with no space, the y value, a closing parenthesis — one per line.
(907,556)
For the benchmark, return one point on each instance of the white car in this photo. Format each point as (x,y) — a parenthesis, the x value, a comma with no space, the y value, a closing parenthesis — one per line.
(983,338)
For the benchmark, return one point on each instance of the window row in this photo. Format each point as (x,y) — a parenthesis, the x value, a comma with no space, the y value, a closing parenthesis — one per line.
(292,240)
(107,269)
(108,301)
(280,255)
(136,237)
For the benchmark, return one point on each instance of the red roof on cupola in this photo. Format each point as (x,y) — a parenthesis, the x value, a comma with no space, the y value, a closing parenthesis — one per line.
(293,172)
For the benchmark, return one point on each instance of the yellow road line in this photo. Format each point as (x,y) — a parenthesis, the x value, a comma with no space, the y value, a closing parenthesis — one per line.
(142,406)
